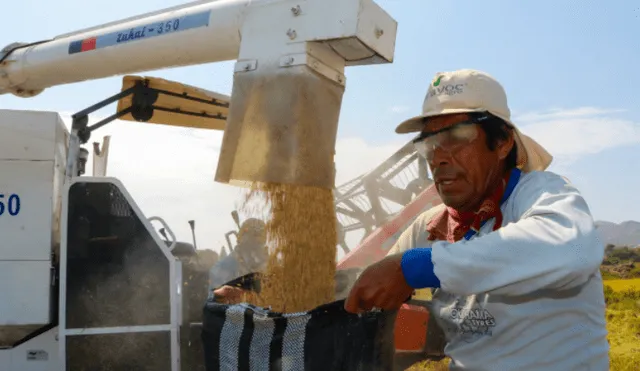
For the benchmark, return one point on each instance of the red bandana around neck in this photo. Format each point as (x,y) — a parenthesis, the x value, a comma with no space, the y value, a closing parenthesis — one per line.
(451,225)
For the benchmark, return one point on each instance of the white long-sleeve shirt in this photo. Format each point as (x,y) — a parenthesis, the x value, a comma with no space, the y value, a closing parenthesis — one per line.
(528,296)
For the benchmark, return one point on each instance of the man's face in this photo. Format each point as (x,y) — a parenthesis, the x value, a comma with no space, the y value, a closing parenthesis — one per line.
(465,170)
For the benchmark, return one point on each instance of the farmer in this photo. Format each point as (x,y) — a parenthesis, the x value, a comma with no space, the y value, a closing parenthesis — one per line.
(249,256)
(512,255)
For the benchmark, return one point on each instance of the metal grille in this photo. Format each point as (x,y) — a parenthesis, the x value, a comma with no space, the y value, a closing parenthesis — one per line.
(142,351)
(368,201)
(117,276)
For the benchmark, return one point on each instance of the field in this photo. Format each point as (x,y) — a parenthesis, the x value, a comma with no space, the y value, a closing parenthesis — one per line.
(623,285)
(623,325)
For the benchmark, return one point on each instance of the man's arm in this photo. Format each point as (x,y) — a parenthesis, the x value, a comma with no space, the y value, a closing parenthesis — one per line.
(554,246)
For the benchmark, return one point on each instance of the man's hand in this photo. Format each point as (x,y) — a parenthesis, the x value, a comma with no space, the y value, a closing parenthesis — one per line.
(381,285)
(229,295)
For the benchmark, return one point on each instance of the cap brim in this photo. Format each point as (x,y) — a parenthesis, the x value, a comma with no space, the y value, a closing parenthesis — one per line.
(531,155)
(416,124)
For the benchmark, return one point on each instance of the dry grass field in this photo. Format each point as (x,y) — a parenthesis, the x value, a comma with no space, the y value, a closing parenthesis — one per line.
(623,285)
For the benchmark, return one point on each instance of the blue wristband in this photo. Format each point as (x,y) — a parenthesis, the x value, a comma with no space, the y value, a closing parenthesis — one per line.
(417,268)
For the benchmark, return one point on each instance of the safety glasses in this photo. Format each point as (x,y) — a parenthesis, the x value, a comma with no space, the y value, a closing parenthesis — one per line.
(449,140)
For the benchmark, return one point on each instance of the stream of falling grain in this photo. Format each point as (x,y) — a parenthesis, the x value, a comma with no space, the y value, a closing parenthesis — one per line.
(301,237)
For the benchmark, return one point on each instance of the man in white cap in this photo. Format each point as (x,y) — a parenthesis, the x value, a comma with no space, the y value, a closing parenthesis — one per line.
(512,255)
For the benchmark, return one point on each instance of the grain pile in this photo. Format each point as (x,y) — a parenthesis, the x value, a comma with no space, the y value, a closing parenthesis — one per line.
(301,238)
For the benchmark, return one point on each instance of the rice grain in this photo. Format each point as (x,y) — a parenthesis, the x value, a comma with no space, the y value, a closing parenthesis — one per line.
(301,238)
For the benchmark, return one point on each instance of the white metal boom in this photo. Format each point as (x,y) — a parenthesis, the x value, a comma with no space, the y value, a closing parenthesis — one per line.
(356,31)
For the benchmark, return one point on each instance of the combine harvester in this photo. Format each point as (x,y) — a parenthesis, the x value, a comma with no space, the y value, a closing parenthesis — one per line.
(86,282)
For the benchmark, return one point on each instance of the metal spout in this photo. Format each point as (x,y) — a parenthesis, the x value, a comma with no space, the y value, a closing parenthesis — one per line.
(281,128)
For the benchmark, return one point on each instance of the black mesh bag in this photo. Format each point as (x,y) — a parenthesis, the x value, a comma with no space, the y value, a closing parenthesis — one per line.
(243,337)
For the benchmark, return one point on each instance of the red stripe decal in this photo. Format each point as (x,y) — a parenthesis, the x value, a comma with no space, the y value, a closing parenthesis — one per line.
(88,44)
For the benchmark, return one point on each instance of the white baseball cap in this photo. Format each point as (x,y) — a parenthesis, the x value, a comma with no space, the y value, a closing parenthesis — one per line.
(468,90)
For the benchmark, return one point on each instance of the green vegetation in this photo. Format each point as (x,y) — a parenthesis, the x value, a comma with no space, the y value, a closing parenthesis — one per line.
(622,262)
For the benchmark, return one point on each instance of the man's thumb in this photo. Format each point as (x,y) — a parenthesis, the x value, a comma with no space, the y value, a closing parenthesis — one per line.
(352,304)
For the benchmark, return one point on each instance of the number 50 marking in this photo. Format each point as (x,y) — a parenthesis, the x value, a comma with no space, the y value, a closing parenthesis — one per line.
(11,205)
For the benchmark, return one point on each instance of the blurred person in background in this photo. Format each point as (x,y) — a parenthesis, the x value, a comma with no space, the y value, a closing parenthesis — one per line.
(249,256)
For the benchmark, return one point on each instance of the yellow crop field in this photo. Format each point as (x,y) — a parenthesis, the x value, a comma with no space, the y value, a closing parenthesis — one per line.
(623,285)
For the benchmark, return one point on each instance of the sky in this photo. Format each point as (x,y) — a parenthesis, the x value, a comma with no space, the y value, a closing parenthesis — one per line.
(569,69)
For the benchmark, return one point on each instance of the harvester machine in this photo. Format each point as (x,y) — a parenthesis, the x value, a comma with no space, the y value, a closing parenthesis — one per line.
(86,281)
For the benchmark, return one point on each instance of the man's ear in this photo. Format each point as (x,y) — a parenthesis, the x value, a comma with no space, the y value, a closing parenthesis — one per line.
(505,146)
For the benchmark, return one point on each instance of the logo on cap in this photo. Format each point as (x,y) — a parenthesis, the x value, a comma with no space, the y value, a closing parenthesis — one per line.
(437,82)
(448,89)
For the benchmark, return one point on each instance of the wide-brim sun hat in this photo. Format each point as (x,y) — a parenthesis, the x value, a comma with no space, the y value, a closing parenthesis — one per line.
(465,91)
